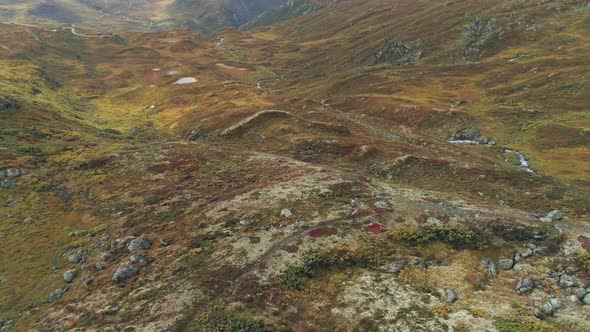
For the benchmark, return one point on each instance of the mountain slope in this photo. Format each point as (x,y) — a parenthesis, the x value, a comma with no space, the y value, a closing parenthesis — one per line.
(305,175)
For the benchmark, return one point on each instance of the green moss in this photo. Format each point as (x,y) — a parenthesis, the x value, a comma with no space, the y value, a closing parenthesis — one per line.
(458,236)
(583,261)
(527,324)
(218,319)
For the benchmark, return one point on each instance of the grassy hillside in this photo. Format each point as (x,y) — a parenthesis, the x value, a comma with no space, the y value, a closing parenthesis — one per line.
(303,178)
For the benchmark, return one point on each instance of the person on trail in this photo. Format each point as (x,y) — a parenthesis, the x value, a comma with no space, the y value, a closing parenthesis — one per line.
(353,205)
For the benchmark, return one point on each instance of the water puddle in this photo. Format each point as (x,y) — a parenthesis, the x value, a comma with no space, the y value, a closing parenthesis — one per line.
(186,80)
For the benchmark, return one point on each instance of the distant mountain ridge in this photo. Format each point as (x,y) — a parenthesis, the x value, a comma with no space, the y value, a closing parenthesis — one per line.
(137,15)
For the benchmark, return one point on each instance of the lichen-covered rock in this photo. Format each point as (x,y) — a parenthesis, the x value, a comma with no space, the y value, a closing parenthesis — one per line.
(70,275)
(6,104)
(123,273)
(492,269)
(397,53)
(567,281)
(382,205)
(505,263)
(138,243)
(451,296)
(287,213)
(75,258)
(555,215)
(57,294)
(394,267)
(525,285)
(551,307)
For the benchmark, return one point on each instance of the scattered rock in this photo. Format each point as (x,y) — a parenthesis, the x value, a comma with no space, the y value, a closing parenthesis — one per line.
(397,53)
(245,222)
(470,134)
(138,243)
(378,193)
(76,234)
(75,258)
(12,173)
(580,293)
(100,266)
(146,261)
(522,267)
(287,213)
(123,273)
(7,104)
(136,258)
(7,183)
(451,296)
(490,266)
(57,294)
(64,195)
(6,324)
(555,215)
(506,263)
(70,275)
(164,243)
(567,281)
(302,224)
(551,307)
(382,205)
(394,267)
(586,299)
(525,285)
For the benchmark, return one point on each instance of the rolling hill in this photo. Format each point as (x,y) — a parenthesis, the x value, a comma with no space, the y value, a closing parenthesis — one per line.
(328,166)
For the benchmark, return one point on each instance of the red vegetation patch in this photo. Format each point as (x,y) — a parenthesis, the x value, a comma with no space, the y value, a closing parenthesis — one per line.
(375,228)
(322,231)
(585,242)
(363,178)
(292,249)
(341,188)
(362,213)
(327,178)
(165,190)
(438,163)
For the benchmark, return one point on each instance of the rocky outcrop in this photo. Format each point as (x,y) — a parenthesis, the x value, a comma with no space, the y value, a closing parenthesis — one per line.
(471,136)
(397,53)
(7,104)
(475,36)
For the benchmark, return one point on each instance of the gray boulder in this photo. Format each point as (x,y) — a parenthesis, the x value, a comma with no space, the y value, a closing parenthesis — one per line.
(580,293)
(555,215)
(137,258)
(490,266)
(586,299)
(287,213)
(470,134)
(7,183)
(506,263)
(525,285)
(100,266)
(382,205)
(567,281)
(6,104)
(7,324)
(70,275)
(138,243)
(451,296)
(57,294)
(123,273)
(551,307)
(74,258)
(12,173)
(394,267)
